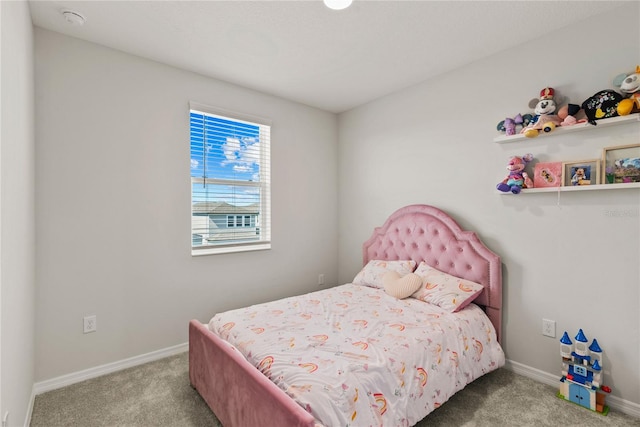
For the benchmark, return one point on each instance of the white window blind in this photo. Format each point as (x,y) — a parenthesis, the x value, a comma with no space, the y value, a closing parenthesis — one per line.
(230,181)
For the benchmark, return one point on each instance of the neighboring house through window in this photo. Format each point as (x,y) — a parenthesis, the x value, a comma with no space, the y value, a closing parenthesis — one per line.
(230,181)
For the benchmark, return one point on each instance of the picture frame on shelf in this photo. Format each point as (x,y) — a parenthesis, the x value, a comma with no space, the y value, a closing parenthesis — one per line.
(547,174)
(621,164)
(583,172)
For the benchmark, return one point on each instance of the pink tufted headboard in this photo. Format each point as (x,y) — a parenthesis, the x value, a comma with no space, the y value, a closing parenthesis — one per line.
(425,233)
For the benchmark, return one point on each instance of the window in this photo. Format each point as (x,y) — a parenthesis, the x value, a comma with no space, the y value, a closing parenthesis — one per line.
(230,182)
(237,221)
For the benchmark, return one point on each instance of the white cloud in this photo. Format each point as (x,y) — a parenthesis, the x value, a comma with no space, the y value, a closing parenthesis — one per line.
(231,148)
(243,153)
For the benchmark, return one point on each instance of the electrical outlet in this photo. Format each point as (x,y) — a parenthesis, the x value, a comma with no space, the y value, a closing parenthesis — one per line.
(320,279)
(549,328)
(90,324)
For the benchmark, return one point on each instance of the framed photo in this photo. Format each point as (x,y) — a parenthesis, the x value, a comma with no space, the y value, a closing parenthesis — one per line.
(548,174)
(584,172)
(621,164)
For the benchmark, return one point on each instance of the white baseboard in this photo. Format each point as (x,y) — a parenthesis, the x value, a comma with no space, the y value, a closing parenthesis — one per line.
(614,402)
(27,421)
(76,377)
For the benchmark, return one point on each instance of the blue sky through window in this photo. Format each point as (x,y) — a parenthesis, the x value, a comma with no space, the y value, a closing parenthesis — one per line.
(224,149)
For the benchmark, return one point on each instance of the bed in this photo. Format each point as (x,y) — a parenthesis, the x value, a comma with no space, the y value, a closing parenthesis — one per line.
(252,380)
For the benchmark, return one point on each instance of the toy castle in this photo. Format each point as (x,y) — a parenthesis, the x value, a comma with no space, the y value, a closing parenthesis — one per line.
(581,381)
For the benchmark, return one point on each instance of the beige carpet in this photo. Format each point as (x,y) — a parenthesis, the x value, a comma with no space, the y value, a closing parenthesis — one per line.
(159,394)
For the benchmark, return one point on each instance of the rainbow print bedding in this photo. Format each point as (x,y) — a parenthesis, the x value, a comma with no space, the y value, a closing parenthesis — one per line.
(353,355)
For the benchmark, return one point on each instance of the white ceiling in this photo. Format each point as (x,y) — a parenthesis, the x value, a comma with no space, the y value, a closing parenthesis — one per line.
(302,51)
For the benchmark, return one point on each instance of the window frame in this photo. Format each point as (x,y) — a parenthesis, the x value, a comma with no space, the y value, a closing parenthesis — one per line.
(262,221)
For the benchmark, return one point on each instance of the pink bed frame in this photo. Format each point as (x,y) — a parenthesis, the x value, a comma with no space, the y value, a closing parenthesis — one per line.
(240,395)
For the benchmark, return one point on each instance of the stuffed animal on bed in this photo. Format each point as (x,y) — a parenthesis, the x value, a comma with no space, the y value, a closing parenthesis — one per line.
(517,178)
(630,86)
(544,119)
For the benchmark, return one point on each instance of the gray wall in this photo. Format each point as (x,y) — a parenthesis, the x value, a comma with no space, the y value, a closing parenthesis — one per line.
(113,205)
(17,238)
(112,212)
(573,258)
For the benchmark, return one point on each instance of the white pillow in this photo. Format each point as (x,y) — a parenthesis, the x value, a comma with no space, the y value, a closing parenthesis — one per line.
(401,286)
(444,290)
(371,274)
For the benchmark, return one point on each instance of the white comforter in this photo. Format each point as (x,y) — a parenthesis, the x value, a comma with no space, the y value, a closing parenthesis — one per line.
(354,356)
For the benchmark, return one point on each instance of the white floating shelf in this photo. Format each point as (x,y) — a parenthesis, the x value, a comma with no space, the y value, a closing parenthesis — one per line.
(626,186)
(612,121)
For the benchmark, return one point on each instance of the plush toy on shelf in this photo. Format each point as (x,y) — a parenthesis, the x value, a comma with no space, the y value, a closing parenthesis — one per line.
(602,105)
(510,124)
(517,178)
(629,85)
(544,119)
(571,114)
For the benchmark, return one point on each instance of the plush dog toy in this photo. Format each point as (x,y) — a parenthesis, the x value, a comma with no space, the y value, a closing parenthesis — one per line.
(544,120)
(630,86)
(517,178)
